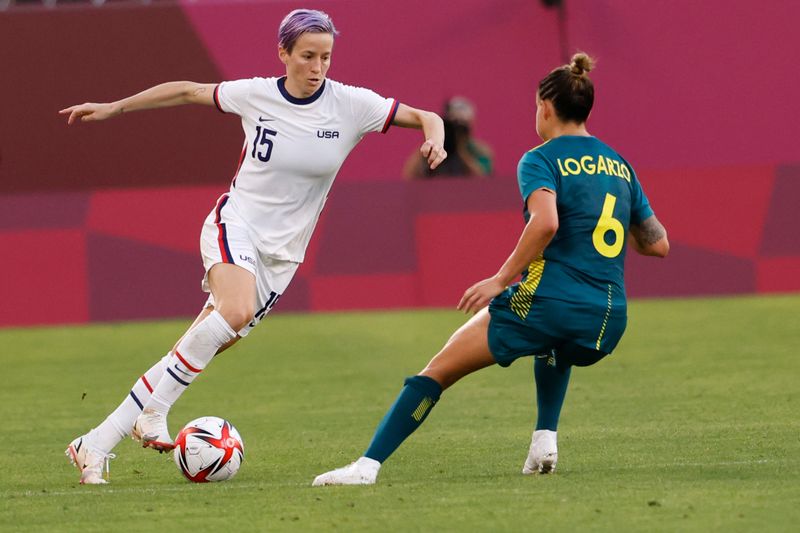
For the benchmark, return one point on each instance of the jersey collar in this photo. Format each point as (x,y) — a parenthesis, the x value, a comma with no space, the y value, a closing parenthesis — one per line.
(299,101)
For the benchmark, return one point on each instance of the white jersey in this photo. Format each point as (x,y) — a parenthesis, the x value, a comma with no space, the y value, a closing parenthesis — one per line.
(293,149)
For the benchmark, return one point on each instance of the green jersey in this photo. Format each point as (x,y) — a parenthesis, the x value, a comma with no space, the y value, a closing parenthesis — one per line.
(598,197)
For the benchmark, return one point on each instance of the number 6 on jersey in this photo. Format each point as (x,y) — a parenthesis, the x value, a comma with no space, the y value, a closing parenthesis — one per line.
(606,223)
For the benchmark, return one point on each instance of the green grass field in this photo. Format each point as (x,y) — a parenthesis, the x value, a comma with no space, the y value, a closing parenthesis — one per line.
(691,425)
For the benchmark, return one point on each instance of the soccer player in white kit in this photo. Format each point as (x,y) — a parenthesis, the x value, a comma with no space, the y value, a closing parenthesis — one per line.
(299,129)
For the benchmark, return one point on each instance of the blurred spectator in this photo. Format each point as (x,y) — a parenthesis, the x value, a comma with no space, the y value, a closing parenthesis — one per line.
(466,156)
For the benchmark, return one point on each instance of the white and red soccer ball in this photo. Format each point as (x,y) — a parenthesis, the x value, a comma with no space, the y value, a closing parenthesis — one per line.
(209,449)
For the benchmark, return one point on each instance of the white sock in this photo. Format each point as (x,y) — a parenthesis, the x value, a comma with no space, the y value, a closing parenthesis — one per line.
(118,424)
(192,355)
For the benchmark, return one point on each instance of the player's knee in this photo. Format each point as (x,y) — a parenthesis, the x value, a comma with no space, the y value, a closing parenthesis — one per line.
(440,375)
(237,316)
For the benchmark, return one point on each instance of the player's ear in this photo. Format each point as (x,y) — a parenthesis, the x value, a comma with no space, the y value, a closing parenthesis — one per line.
(548,110)
(283,55)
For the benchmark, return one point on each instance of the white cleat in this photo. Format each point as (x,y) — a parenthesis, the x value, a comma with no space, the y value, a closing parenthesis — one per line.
(543,453)
(151,430)
(91,463)
(362,472)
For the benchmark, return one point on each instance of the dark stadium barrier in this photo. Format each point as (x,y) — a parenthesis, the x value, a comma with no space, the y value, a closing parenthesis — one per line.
(134,253)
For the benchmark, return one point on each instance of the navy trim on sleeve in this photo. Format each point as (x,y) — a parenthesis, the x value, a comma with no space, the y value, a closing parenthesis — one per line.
(390,118)
(216,99)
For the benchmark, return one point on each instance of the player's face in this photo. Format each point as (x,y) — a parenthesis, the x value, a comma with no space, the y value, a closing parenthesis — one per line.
(308,63)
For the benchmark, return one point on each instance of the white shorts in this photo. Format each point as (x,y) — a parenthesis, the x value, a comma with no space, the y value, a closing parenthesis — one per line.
(225,239)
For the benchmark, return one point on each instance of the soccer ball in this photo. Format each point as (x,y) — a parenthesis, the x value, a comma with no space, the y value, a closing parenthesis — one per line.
(209,449)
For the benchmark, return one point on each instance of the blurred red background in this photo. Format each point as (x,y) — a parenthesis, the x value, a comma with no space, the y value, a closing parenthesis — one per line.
(101,221)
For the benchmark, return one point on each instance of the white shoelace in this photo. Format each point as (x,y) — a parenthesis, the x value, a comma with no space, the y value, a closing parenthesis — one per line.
(106,470)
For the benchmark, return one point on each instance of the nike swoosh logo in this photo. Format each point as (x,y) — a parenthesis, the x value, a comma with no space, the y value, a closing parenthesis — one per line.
(262,119)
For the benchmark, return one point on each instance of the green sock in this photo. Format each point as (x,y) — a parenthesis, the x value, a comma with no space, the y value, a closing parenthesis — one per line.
(406,414)
(551,388)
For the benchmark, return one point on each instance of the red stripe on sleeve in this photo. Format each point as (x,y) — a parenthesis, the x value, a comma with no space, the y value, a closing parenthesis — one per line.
(216,99)
(147,384)
(390,118)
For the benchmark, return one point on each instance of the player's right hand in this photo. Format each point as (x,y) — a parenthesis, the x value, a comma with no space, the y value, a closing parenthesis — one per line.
(479,295)
(88,112)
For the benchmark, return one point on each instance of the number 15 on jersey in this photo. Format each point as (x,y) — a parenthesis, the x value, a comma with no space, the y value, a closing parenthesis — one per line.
(262,144)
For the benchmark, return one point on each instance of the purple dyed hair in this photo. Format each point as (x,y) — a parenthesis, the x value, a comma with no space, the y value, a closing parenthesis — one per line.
(302,21)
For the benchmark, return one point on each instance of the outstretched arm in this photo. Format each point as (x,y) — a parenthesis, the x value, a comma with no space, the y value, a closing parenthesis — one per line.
(538,233)
(165,95)
(432,128)
(649,238)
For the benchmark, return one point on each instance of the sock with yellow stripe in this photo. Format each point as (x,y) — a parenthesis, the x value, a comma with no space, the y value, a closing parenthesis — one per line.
(406,414)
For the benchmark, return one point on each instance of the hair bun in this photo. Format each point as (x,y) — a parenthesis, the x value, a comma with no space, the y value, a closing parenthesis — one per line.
(581,63)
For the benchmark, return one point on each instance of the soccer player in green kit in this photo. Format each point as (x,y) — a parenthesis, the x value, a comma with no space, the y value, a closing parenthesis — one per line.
(582,201)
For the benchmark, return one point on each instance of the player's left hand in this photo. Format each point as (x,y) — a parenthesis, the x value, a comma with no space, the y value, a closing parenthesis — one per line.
(434,152)
(479,295)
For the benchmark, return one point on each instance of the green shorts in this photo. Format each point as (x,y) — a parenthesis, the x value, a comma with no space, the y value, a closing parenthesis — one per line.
(576,334)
